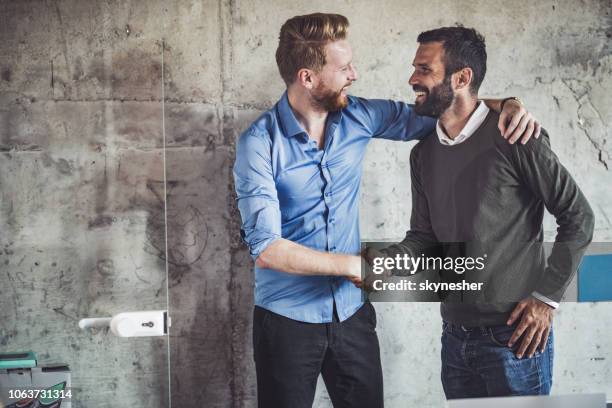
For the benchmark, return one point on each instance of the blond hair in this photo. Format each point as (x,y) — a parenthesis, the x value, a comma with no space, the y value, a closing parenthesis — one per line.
(302,40)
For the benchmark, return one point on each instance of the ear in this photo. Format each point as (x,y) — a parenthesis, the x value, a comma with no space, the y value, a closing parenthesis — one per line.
(305,78)
(462,78)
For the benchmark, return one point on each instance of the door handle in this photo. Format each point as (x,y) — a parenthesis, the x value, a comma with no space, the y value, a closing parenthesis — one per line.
(132,324)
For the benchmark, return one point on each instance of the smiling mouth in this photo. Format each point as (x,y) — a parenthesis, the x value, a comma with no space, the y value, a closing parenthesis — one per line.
(420,95)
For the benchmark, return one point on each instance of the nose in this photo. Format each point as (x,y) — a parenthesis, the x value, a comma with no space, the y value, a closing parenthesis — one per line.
(412,80)
(353,73)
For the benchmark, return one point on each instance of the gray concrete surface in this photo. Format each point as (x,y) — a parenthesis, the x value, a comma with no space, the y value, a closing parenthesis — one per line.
(81,179)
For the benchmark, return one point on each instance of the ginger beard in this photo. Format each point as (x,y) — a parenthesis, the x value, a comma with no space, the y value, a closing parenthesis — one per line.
(328,99)
(434,102)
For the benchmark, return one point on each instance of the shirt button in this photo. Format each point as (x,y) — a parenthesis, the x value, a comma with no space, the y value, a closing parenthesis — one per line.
(328,194)
(332,220)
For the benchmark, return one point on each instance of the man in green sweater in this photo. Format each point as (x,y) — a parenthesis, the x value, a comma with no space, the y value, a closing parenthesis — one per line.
(487,198)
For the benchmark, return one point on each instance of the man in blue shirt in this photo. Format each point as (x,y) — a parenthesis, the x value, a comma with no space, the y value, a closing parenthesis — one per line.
(297,176)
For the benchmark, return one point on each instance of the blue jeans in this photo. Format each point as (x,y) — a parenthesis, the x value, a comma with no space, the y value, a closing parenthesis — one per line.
(477,362)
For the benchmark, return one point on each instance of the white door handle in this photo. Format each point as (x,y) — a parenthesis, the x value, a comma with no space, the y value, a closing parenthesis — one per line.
(94,322)
(132,324)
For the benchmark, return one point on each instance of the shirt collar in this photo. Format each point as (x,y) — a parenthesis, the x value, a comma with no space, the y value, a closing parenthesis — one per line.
(473,123)
(290,124)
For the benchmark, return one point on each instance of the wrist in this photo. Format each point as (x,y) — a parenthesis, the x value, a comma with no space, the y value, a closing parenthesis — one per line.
(511,99)
(351,266)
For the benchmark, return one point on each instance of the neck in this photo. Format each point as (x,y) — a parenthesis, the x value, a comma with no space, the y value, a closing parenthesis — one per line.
(307,114)
(456,116)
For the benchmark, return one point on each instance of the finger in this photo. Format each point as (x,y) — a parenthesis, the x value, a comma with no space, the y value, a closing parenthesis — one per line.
(501,123)
(516,119)
(535,343)
(528,132)
(544,339)
(518,332)
(537,130)
(525,343)
(516,313)
(520,129)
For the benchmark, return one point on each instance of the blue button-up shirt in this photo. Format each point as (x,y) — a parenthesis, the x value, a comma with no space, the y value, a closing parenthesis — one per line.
(287,187)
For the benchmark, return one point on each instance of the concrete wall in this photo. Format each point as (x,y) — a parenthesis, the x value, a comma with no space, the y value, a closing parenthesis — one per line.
(86,89)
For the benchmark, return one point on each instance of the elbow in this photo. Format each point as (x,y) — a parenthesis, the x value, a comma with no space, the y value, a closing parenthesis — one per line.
(264,259)
(586,226)
(261,261)
(268,258)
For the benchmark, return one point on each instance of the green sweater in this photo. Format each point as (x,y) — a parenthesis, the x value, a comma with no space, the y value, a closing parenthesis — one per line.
(485,196)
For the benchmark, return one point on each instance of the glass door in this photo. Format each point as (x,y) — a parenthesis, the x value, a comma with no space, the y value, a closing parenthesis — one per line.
(83,238)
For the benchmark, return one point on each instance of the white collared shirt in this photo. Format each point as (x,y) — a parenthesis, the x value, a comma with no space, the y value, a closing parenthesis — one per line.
(473,123)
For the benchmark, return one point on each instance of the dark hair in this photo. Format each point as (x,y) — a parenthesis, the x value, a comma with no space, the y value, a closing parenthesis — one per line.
(302,40)
(463,48)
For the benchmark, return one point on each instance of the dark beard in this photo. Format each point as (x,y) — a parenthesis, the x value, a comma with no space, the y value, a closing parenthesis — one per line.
(329,100)
(437,100)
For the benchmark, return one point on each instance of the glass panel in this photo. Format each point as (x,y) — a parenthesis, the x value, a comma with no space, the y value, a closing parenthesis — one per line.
(82,195)
(208,330)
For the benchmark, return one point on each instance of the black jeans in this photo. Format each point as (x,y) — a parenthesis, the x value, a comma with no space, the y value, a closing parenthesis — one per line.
(290,355)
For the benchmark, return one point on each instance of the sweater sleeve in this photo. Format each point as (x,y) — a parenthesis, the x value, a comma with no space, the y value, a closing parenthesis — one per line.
(420,239)
(539,168)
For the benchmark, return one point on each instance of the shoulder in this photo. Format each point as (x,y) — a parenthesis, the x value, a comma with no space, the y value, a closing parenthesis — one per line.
(540,144)
(420,149)
(358,107)
(356,102)
(534,151)
(256,141)
(539,147)
(380,114)
(492,131)
(259,133)
(365,105)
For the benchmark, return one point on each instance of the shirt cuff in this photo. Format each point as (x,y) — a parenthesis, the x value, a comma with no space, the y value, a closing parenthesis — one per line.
(546,300)
(261,246)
